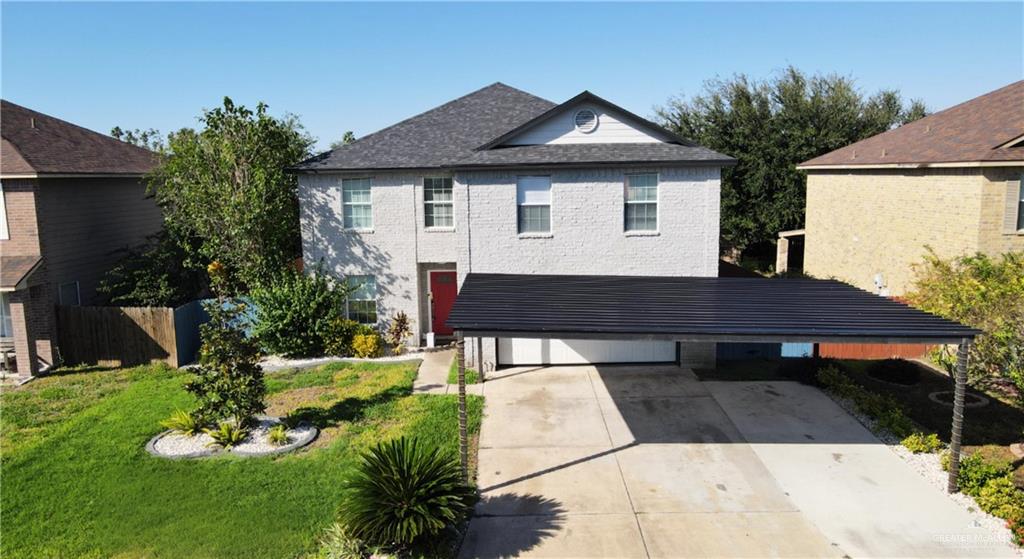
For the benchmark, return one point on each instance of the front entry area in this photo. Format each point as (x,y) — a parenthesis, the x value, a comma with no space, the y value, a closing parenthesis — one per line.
(534,351)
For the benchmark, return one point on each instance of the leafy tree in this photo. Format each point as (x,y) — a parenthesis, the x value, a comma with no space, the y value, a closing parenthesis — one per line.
(226,185)
(149,138)
(769,127)
(345,140)
(298,314)
(152,274)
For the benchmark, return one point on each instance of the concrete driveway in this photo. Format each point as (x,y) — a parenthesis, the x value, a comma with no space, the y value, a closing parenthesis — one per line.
(647,461)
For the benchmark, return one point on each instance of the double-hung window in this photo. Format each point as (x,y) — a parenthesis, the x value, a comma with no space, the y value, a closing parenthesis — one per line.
(361,305)
(357,209)
(437,202)
(642,202)
(533,197)
(1020,205)
(6,328)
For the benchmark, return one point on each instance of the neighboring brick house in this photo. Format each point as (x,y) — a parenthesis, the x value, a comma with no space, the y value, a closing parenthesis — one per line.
(950,181)
(71,198)
(503,181)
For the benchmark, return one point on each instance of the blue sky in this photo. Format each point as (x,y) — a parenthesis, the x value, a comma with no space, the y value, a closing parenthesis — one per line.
(361,67)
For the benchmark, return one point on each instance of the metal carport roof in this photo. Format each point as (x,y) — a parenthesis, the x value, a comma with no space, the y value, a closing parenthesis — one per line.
(689,309)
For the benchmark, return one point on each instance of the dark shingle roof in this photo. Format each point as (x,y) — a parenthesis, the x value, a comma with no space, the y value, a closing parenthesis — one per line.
(13,269)
(35,143)
(438,137)
(461,133)
(973,131)
(688,308)
(561,154)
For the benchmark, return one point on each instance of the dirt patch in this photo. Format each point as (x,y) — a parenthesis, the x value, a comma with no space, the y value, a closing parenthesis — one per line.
(284,403)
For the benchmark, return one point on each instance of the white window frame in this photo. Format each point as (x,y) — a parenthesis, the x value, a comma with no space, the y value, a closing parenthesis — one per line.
(345,221)
(373,299)
(78,294)
(5,233)
(430,205)
(1020,206)
(6,323)
(522,180)
(627,202)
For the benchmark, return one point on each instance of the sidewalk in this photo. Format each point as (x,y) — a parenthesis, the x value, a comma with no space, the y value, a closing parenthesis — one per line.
(432,377)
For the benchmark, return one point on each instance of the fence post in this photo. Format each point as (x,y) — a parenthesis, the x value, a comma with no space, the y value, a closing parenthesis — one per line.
(460,354)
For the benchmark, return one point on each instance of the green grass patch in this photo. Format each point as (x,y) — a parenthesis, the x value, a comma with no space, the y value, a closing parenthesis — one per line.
(472,377)
(78,482)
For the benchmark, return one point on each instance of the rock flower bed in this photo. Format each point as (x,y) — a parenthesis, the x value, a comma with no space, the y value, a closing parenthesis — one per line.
(173,444)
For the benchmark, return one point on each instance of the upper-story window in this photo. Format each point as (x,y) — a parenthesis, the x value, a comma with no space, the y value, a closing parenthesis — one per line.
(357,208)
(437,202)
(1020,204)
(361,304)
(533,197)
(4,232)
(642,202)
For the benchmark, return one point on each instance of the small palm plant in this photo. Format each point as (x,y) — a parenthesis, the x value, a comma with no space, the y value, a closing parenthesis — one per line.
(183,422)
(402,491)
(278,435)
(227,435)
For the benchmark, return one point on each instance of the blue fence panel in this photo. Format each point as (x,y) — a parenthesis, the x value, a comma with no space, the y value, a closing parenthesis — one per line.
(797,350)
(729,351)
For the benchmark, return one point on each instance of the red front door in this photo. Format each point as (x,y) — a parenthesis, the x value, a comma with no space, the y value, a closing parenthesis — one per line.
(442,295)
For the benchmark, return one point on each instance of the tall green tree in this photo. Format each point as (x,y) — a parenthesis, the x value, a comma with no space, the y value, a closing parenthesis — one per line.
(226,187)
(770,126)
(347,138)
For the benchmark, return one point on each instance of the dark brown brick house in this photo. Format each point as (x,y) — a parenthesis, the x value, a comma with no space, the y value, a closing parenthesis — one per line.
(71,198)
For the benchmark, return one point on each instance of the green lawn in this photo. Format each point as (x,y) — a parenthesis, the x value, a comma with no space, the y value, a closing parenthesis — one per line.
(77,481)
(472,377)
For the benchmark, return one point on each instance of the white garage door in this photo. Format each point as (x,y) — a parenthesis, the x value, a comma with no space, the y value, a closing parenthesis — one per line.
(528,351)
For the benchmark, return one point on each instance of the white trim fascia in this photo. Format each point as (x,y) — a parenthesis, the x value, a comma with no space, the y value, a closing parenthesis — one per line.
(1016,140)
(951,164)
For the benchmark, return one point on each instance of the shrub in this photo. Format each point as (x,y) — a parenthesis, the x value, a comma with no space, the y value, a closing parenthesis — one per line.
(897,371)
(228,383)
(182,422)
(337,544)
(1000,497)
(919,442)
(883,408)
(805,369)
(367,345)
(403,493)
(227,435)
(295,314)
(976,471)
(338,339)
(398,332)
(278,435)
(986,293)
(1016,526)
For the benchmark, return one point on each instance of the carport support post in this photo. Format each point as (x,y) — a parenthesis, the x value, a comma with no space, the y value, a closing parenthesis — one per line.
(460,359)
(959,386)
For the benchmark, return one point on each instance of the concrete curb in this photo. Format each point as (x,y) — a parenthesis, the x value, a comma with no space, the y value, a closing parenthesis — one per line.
(300,442)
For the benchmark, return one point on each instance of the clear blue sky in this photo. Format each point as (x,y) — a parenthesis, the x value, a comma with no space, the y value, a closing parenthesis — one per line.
(361,67)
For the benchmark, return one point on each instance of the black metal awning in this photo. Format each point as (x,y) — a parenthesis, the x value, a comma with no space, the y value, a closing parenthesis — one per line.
(689,309)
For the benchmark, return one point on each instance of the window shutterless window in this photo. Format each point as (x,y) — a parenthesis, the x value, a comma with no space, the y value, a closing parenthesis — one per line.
(4,233)
(533,198)
(1020,205)
(642,202)
(6,327)
(437,202)
(357,209)
(68,294)
(361,305)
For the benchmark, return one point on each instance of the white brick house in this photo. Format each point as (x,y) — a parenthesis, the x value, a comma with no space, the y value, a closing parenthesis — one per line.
(501,181)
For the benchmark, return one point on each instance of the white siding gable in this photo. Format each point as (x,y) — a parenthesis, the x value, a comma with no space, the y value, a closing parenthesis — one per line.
(612,128)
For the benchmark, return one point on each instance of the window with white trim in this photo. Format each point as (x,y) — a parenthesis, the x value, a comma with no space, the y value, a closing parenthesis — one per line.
(357,207)
(361,304)
(6,326)
(1020,205)
(4,232)
(642,202)
(437,202)
(533,199)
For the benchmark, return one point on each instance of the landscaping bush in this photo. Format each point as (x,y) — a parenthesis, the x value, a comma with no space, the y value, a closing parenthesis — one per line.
(228,383)
(338,339)
(805,369)
(337,544)
(919,443)
(227,435)
(403,494)
(883,408)
(366,345)
(278,435)
(183,422)
(1016,526)
(897,371)
(986,293)
(976,471)
(298,314)
(398,333)
(1000,497)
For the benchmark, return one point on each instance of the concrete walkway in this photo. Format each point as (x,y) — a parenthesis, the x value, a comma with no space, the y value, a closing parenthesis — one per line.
(432,377)
(645,461)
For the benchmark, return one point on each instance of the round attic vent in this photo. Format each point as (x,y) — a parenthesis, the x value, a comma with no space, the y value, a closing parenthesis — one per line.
(586,121)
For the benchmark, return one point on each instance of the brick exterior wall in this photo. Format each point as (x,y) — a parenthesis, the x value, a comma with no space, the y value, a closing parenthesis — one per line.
(587,233)
(860,223)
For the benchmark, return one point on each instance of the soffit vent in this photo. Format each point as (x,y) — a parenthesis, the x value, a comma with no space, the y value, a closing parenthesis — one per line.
(586,121)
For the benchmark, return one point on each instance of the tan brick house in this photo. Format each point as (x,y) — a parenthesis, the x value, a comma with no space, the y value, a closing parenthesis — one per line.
(950,181)
(71,198)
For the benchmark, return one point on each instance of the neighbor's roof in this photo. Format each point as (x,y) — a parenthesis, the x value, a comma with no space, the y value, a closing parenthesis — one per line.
(689,308)
(985,130)
(466,133)
(14,269)
(39,144)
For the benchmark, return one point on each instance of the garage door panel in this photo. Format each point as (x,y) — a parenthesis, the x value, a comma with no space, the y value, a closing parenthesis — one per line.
(529,351)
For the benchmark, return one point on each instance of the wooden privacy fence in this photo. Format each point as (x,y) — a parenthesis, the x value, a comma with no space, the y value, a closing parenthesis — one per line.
(126,336)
